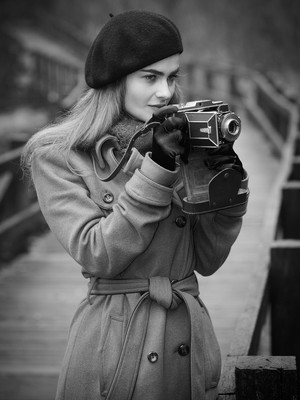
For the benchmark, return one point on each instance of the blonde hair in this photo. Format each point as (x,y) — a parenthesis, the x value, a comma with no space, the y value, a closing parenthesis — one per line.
(93,115)
(87,121)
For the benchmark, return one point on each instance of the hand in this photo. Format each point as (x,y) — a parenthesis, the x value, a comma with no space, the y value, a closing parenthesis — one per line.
(224,157)
(169,138)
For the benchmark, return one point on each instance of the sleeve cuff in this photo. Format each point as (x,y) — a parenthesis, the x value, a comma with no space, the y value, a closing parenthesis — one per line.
(158,174)
(146,191)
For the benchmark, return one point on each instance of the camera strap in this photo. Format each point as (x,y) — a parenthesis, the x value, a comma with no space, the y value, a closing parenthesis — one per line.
(146,128)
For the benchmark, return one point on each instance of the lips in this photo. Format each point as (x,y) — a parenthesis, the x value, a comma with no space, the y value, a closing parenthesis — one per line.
(158,105)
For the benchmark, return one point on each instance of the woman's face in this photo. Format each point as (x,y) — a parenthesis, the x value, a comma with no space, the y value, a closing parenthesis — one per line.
(150,88)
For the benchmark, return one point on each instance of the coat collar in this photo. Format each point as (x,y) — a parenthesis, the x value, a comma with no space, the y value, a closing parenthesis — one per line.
(108,153)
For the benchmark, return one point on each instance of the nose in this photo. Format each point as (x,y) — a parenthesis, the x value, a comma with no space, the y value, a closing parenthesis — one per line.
(163,90)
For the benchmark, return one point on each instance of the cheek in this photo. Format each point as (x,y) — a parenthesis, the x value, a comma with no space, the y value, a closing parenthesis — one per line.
(136,101)
(133,98)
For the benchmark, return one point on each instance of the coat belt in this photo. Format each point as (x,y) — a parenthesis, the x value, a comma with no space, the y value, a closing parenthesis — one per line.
(169,294)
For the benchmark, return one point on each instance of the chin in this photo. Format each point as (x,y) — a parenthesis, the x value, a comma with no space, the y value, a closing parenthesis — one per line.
(145,116)
(140,117)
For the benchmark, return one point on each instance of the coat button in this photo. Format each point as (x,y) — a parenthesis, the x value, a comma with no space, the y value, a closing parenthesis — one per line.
(180,221)
(108,198)
(152,357)
(183,350)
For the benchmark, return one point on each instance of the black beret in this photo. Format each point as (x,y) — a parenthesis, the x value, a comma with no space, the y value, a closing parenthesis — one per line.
(128,42)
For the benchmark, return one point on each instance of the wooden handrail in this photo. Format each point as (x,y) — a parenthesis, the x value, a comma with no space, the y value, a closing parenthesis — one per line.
(242,343)
(20,214)
(10,156)
(278,119)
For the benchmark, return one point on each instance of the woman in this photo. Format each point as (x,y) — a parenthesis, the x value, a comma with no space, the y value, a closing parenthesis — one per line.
(142,332)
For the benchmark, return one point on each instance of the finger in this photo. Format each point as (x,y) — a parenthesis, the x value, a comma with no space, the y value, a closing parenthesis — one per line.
(176,142)
(173,123)
(164,112)
(171,139)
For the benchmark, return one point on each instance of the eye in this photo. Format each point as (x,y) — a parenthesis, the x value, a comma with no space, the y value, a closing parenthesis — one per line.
(172,78)
(150,77)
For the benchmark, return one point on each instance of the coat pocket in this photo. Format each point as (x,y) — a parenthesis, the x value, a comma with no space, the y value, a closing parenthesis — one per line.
(110,350)
(212,354)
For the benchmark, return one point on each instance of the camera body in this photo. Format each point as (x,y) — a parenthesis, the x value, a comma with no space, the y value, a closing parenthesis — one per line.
(210,123)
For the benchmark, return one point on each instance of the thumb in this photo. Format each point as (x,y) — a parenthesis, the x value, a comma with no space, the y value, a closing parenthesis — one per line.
(161,114)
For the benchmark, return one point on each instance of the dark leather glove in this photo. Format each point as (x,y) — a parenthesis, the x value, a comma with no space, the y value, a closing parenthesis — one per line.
(223,157)
(169,138)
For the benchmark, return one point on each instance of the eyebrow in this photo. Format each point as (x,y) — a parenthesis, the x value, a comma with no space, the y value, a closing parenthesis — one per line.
(156,72)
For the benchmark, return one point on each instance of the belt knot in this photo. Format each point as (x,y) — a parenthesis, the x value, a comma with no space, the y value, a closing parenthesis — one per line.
(161,291)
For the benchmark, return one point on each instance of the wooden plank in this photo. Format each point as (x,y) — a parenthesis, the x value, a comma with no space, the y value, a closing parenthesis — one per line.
(252,320)
(272,378)
(28,386)
(39,293)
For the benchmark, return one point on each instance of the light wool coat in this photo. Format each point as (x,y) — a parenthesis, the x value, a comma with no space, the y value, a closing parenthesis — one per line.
(128,229)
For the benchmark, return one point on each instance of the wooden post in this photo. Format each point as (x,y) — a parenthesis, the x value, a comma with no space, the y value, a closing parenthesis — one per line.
(289,215)
(285,297)
(295,171)
(297,144)
(267,378)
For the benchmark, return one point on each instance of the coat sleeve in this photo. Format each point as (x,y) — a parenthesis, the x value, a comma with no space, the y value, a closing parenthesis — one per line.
(104,245)
(214,234)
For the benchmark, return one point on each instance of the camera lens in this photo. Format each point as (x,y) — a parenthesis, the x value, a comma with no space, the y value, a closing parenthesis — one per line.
(230,127)
(233,128)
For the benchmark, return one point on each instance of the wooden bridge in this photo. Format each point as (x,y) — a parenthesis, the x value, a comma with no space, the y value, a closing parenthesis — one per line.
(254,299)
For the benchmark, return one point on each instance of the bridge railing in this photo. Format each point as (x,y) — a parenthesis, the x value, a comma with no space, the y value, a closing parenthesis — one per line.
(52,82)
(272,311)
(20,215)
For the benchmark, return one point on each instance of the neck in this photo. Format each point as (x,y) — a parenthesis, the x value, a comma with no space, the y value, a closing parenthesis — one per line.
(125,128)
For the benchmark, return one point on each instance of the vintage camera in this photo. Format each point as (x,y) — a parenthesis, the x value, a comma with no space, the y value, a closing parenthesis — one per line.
(210,124)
